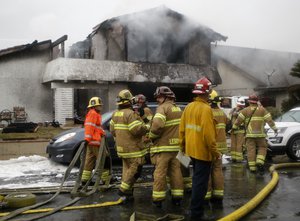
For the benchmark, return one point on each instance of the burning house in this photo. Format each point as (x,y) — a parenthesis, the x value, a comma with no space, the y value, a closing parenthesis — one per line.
(138,51)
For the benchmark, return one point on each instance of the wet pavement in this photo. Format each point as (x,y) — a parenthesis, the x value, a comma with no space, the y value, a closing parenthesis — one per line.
(240,186)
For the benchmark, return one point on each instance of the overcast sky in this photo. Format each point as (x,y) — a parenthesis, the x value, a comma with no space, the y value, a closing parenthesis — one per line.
(265,24)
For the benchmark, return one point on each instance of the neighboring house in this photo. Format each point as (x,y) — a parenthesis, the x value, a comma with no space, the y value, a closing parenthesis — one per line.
(247,70)
(21,72)
(139,51)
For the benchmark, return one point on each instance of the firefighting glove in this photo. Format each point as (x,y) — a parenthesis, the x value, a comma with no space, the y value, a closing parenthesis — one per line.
(141,111)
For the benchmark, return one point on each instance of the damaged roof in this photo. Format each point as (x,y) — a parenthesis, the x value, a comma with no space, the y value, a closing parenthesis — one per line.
(66,69)
(35,45)
(271,68)
(157,16)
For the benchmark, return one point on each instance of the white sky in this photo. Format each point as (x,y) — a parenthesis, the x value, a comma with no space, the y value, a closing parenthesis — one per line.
(265,24)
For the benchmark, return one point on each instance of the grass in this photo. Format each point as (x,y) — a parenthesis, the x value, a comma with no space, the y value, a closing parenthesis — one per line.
(41,133)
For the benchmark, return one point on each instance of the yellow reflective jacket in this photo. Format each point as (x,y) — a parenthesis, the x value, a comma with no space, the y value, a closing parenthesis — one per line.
(197,133)
(221,120)
(164,128)
(258,117)
(128,129)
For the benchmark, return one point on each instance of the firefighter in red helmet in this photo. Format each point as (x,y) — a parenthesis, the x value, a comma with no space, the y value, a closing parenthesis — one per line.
(197,137)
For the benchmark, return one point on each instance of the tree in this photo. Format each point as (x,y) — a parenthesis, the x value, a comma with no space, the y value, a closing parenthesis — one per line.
(294,92)
(295,71)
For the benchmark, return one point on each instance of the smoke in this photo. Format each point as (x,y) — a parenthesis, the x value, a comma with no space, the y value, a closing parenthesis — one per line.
(159,35)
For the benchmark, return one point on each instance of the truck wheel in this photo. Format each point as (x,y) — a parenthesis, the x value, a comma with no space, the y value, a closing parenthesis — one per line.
(17,200)
(293,149)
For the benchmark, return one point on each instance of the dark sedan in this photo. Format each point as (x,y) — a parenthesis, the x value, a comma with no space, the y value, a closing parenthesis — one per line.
(63,147)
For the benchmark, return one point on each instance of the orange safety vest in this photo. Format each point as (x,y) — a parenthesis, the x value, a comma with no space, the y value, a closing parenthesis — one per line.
(92,128)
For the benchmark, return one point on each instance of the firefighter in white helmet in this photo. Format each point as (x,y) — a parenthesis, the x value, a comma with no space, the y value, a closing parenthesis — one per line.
(237,135)
(215,192)
(128,129)
(164,135)
(93,133)
(254,118)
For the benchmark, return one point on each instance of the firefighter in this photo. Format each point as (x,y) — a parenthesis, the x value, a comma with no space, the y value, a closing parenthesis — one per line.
(215,191)
(164,135)
(128,129)
(197,136)
(145,112)
(237,136)
(254,118)
(93,133)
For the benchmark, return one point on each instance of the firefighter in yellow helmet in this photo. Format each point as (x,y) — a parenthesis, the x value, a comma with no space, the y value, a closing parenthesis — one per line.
(215,192)
(128,129)
(254,118)
(164,134)
(93,133)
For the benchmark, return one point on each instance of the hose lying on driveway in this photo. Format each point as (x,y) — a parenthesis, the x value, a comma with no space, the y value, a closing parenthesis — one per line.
(76,193)
(248,207)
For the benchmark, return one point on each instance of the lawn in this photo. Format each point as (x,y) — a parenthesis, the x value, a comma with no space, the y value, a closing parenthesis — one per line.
(41,133)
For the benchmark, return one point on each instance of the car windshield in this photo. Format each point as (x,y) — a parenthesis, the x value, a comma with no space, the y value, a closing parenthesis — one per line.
(106,116)
(290,116)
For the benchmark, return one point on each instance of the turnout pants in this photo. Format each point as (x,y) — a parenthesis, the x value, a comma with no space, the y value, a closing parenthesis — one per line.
(256,152)
(166,164)
(216,181)
(132,168)
(237,141)
(90,160)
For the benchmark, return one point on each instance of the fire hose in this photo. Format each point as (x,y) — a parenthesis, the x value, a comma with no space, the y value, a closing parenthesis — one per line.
(258,198)
(236,215)
(75,192)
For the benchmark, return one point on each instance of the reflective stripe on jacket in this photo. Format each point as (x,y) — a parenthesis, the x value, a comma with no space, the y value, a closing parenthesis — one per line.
(221,120)
(128,128)
(92,128)
(197,133)
(233,115)
(164,129)
(255,127)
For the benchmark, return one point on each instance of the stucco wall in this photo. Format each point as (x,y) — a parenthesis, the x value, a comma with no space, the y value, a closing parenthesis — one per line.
(233,82)
(21,85)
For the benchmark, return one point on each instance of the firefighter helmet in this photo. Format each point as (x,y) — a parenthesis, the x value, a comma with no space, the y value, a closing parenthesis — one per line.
(213,94)
(124,97)
(164,92)
(95,101)
(253,99)
(140,98)
(240,101)
(202,86)
(214,97)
